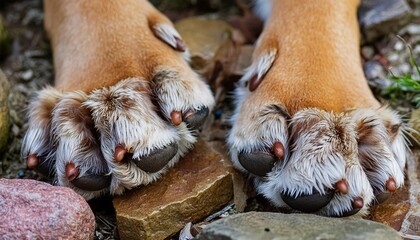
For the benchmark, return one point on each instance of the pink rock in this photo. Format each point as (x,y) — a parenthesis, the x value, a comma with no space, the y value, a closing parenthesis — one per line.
(31,209)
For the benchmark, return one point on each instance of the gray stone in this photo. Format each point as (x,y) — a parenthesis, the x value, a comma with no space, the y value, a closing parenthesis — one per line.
(380,17)
(264,225)
(368,52)
(4,110)
(373,69)
(31,209)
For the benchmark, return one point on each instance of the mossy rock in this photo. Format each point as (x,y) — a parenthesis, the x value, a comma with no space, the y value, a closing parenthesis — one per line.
(4,110)
(5,40)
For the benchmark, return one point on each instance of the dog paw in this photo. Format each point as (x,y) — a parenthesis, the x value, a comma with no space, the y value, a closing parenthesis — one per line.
(126,133)
(145,127)
(338,164)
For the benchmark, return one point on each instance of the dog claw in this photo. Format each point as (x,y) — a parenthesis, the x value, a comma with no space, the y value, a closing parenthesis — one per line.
(258,163)
(157,159)
(32,161)
(195,119)
(278,150)
(176,118)
(180,46)
(342,186)
(71,171)
(391,185)
(357,203)
(92,182)
(308,203)
(119,153)
(254,82)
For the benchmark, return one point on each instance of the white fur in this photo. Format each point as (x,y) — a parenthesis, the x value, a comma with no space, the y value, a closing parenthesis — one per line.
(38,139)
(398,144)
(379,152)
(358,185)
(72,138)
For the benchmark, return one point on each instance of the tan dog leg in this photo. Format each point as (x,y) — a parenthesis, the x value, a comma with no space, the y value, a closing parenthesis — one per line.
(306,91)
(126,105)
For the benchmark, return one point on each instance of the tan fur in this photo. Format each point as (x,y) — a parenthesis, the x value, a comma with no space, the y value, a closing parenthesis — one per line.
(318,62)
(105,46)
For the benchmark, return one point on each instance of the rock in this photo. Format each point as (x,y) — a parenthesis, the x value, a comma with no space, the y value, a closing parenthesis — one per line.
(36,210)
(4,110)
(375,75)
(380,17)
(410,227)
(197,186)
(265,225)
(209,41)
(373,69)
(367,52)
(412,29)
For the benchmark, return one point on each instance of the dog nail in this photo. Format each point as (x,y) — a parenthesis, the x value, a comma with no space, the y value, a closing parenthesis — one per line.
(357,203)
(32,161)
(189,113)
(71,171)
(254,82)
(180,46)
(342,186)
(278,150)
(119,153)
(391,185)
(176,118)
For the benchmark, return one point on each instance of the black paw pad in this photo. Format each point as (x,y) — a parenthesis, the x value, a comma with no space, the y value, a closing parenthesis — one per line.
(258,163)
(157,159)
(92,182)
(308,203)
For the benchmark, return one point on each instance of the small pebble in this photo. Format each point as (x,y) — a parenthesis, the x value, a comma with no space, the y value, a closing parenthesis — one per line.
(27,75)
(218,113)
(368,52)
(21,173)
(399,46)
(393,58)
(373,69)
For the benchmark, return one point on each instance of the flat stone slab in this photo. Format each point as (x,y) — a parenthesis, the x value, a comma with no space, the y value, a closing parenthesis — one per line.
(196,187)
(266,225)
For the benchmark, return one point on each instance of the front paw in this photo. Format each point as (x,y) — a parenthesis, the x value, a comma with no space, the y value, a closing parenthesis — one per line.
(331,170)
